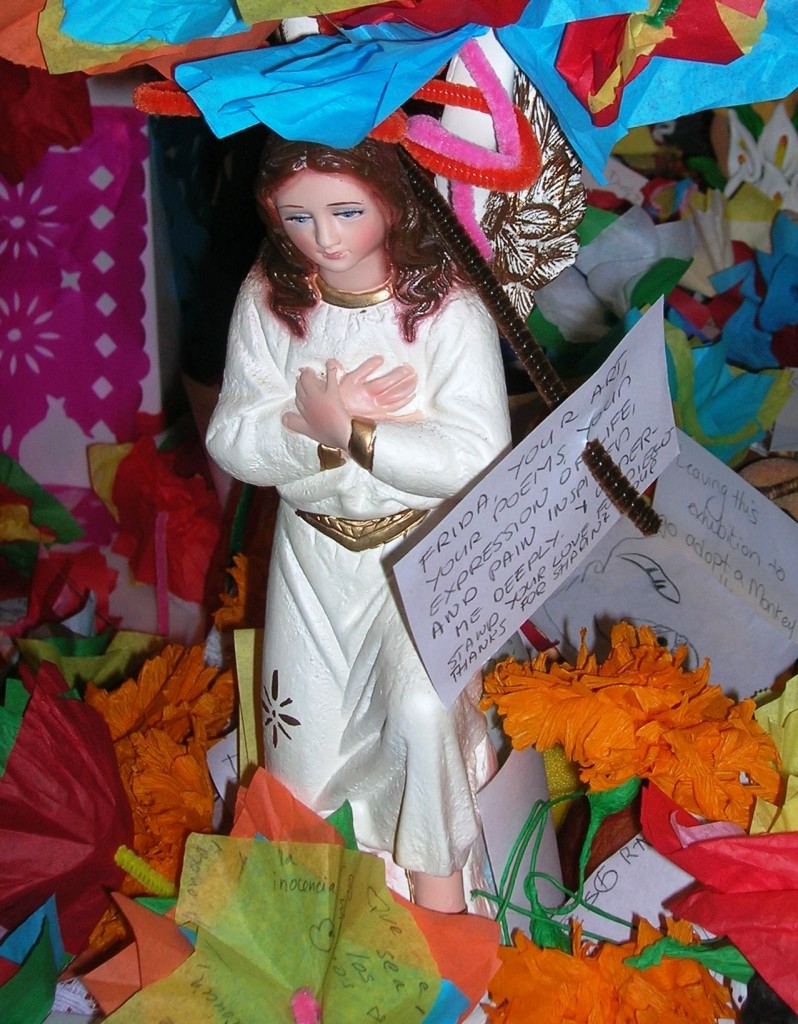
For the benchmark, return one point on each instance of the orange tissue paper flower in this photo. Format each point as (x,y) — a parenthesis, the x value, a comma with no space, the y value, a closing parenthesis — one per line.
(171,795)
(174,690)
(594,985)
(243,606)
(162,724)
(641,713)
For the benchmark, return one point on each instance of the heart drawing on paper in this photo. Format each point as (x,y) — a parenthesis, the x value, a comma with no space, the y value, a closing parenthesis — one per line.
(322,935)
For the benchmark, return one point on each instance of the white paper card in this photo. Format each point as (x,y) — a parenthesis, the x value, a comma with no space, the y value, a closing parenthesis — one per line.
(222,760)
(634,882)
(746,541)
(471,581)
(650,581)
(504,805)
(621,181)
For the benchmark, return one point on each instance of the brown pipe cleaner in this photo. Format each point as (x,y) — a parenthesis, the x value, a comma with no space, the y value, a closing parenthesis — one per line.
(548,383)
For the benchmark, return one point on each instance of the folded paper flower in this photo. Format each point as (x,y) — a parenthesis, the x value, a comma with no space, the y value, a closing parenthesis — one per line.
(721,224)
(640,713)
(763,332)
(464,947)
(631,263)
(277,912)
(301,919)
(768,161)
(748,887)
(723,407)
(665,88)
(595,983)
(63,812)
(274,919)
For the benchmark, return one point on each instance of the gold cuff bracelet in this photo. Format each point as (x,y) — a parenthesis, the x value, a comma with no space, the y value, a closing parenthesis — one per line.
(361,442)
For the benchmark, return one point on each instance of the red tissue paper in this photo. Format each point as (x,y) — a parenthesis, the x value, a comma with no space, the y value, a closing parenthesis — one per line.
(748,888)
(433,15)
(167,522)
(40,110)
(63,812)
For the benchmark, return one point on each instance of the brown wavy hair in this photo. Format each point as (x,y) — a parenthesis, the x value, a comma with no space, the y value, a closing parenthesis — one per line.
(423,270)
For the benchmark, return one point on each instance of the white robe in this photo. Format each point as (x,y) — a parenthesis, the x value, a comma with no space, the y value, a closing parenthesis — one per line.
(349,710)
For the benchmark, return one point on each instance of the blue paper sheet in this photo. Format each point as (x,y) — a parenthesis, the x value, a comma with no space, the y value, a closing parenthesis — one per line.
(16,945)
(535,50)
(672,88)
(123,22)
(450,1005)
(328,89)
(769,298)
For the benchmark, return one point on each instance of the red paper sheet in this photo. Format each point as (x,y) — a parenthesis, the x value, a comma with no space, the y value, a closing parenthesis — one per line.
(63,812)
(748,889)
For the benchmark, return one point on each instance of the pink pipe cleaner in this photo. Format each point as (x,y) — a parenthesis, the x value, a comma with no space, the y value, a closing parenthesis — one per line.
(463,206)
(429,133)
(305,1008)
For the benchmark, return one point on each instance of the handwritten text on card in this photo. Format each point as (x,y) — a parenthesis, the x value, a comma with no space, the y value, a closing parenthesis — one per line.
(481,572)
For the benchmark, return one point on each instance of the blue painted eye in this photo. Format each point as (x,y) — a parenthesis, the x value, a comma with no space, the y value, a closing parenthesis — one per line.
(298,218)
(349,214)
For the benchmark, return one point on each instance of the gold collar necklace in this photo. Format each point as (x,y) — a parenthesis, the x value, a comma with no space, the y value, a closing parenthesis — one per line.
(353,300)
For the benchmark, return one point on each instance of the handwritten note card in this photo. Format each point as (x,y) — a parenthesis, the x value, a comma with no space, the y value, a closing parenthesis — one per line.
(745,541)
(651,581)
(634,882)
(272,918)
(482,571)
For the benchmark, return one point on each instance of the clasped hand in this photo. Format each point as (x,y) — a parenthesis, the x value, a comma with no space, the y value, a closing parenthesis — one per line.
(326,405)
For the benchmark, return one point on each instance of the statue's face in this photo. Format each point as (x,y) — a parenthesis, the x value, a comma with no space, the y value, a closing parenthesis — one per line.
(338,225)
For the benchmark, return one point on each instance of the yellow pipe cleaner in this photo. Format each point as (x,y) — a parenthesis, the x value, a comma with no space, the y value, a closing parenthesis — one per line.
(139,869)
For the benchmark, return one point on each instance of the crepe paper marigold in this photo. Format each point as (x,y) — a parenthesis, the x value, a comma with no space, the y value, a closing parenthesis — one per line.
(243,606)
(641,713)
(171,795)
(174,690)
(162,724)
(595,985)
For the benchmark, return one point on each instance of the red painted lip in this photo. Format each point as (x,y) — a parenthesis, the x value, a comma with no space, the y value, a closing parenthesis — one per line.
(333,255)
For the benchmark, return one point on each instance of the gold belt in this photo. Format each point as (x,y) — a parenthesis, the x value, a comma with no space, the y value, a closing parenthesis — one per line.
(361,534)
